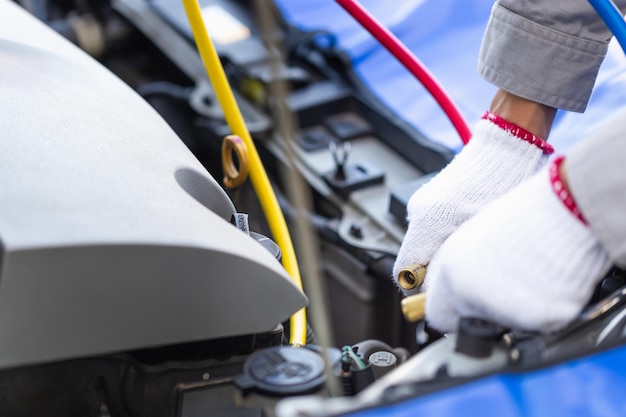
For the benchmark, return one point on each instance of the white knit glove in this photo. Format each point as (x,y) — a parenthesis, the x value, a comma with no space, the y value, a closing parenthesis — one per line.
(499,156)
(525,261)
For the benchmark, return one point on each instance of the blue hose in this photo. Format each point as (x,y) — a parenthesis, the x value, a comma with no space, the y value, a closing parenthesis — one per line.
(613,19)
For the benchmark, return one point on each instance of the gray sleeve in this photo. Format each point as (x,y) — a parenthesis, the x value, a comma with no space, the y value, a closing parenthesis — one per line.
(596,170)
(548,51)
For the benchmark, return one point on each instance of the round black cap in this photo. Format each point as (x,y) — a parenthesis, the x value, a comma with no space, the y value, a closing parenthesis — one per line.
(477,337)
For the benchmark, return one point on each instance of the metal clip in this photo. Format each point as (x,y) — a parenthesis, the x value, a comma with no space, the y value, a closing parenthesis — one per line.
(340,155)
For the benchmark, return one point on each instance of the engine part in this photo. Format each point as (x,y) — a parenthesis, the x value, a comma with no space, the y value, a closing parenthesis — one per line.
(382,362)
(268,244)
(234,174)
(258,175)
(356,380)
(436,362)
(477,338)
(412,276)
(282,371)
(148,382)
(355,373)
(329,102)
(414,307)
(366,348)
(111,230)
(345,178)
(346,126)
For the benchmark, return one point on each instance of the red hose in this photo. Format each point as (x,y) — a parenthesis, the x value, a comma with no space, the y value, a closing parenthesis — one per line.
(410,62)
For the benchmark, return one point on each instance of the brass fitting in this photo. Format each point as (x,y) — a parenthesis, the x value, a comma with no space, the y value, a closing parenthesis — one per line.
(413,307)
(412,276)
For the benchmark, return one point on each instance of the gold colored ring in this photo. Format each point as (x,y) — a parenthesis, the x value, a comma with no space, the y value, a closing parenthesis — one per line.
(234,177)
(412,276)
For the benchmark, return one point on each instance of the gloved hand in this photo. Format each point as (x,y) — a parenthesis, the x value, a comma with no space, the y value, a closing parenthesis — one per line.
(525,261)
(499,156)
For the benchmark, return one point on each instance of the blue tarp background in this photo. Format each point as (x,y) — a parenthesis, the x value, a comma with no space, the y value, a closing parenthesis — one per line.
(445,35)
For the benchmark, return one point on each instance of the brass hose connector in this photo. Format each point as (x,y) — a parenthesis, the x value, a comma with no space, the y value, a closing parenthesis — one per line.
(413,307)
(412,276)
(234,177)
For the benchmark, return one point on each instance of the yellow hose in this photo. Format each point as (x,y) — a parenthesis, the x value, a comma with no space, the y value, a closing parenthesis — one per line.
(258,176)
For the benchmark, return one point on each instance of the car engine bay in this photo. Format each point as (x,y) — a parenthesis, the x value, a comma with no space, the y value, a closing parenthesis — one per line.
(137,281)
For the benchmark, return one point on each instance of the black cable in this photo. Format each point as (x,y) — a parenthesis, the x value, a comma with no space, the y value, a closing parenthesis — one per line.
(311,339)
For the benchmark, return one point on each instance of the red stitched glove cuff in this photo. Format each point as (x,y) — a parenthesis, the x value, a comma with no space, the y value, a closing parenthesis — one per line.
(519,132)
(561,191)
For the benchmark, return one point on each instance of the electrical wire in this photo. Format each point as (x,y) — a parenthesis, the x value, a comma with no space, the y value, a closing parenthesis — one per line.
(613,19)
(411,63)
(347,350)
(258,176)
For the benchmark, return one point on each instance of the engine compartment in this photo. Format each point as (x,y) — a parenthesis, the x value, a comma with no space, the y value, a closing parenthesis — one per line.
(119,253)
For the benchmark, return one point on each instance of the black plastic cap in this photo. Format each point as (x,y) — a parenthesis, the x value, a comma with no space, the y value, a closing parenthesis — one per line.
(477,337)
(282,371)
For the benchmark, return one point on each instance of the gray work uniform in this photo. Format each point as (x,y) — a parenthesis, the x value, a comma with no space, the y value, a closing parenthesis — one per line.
(550,51)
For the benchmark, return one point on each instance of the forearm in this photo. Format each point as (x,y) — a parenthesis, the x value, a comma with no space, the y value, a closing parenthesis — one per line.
(548,52)
(535,117)
(596,175)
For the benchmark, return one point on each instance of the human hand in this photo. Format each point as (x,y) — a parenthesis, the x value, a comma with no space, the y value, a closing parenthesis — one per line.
(525,261)
(499,157)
